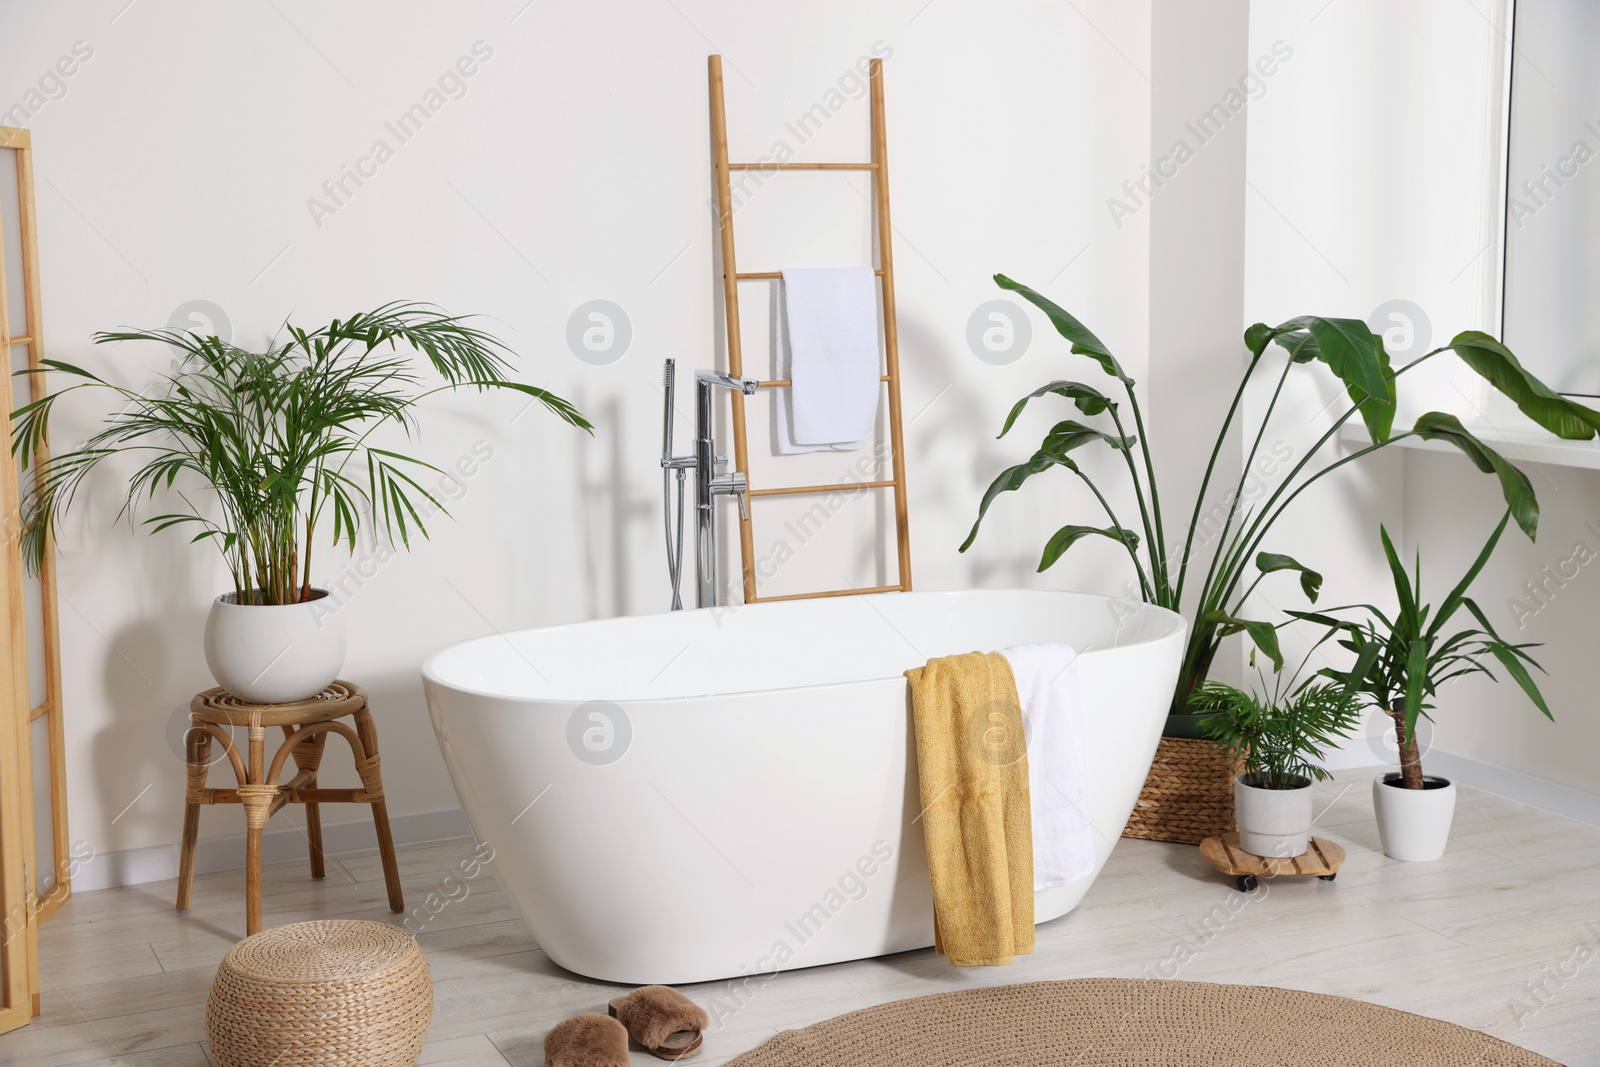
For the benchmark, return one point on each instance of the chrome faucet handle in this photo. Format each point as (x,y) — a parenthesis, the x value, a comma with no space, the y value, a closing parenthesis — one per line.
(721,461)
(733,483)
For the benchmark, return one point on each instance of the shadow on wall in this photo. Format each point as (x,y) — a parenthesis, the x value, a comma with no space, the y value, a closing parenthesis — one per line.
(608,516)
(150,672)
(948,428)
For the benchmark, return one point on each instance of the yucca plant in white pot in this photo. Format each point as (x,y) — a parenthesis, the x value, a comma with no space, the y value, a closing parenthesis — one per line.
(1401,660)
(264,451)
(1282,738)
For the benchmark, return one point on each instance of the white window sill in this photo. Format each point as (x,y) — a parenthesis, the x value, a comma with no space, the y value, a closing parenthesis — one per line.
(1520,442)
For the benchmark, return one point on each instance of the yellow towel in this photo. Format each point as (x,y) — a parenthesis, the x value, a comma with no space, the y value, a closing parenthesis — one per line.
(972,765)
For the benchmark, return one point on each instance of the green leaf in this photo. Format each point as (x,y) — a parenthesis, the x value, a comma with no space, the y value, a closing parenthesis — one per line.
(1090,401)
(561,408)
(1301,346)
(1533,398)
(1068,536)
(1416,683)
(1258,337)
(1350,349)
(1264,634)
(1508,659)
(1010,480)
(1070,434)
(1084,342)
(1377,411)
(68,368)
(1514,485)
(1310,580)
(1408,617)
(1458,595)
(1347,346)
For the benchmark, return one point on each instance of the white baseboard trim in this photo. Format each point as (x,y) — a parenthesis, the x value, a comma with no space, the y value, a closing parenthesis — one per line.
(158,863)
(1536,792)
(1529,789)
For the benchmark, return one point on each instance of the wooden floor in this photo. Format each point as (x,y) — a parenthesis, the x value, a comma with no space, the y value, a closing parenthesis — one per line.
(1502,934)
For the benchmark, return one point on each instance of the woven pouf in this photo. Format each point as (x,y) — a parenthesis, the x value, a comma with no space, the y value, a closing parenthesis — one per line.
(321,994)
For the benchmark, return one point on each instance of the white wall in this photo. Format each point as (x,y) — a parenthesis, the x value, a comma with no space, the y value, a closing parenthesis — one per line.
(178,164)
(1199,120)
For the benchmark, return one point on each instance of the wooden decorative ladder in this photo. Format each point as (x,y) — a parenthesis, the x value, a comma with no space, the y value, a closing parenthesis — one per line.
(731,277)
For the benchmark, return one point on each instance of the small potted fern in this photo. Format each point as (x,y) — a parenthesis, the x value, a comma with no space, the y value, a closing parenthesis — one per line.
(1281,739)
(262,451)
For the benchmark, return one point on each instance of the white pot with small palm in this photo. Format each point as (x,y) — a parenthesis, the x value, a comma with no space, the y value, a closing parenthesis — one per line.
(1402,658)
(1282,740)
(266,450)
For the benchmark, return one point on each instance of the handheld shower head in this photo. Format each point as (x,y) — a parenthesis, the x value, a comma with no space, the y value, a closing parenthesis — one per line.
(669,380)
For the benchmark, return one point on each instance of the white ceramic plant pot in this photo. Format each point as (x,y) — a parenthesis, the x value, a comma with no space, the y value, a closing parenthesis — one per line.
(1414,824)
(1272,822)
(277,653)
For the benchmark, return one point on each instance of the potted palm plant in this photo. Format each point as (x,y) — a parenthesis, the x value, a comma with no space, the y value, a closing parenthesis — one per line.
(1401,659)
(262,451)
(1281,738)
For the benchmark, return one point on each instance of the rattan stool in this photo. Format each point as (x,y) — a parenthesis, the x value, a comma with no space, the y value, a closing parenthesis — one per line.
(321,994)
(306,725)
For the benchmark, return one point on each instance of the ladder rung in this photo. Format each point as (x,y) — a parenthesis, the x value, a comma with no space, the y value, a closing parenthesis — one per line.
(795,490)
(830,592)
(25,339)
(774,383)
(802,166)
(752,275)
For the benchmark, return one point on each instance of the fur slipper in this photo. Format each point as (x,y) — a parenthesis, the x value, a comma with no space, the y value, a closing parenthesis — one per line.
(664,1021)
(587,1040)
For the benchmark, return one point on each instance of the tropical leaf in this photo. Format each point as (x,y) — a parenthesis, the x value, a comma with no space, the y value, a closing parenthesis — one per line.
(1347,346)
(1084,342)
(1009,481)
(1456,596)
(1310,580)
(1377,411)
(1494,361)
(1514,485)
(1068,536)
(1417,682)
(1508,659)
(1089,400)
(1069,434)
(1264,634)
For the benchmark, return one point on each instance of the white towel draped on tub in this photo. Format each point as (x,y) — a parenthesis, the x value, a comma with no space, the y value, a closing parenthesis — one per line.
(830,326)
(1052,718)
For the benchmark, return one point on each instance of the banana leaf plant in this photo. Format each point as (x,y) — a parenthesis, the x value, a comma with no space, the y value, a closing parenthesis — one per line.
(275,442)
(1401,662)
(1212,596)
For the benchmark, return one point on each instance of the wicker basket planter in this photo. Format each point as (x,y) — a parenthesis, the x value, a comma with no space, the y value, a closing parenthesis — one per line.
(321,994)
(1188,795)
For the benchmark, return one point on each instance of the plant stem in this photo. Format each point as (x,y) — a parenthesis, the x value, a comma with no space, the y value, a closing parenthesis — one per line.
(1410,757)
(1144,512)
(1144,583)
(1205,482)
(1157,543)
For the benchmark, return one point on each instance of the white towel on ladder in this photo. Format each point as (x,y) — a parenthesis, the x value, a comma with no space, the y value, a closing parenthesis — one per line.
(1052,719)
(830,323)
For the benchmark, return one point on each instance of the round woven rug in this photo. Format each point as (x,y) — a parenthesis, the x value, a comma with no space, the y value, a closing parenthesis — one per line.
(1100,1022)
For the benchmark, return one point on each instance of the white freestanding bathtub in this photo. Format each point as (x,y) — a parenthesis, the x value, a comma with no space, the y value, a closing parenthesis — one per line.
(732,791)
